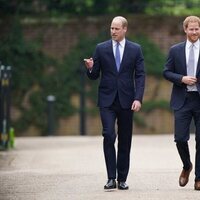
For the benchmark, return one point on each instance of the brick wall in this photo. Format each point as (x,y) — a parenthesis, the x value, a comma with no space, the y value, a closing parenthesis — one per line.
(58,39)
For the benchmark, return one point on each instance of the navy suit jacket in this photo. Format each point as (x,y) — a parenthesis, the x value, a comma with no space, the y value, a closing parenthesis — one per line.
(174,70)
(128,82)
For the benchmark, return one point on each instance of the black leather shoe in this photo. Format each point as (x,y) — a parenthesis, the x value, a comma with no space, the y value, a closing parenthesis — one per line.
(122,186)
(111,184)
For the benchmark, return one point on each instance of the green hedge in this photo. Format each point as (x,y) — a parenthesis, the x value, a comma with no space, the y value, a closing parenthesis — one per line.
(36,75)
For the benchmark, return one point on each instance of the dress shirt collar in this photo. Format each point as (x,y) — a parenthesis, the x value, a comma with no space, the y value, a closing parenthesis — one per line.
(196,44)
(121,43)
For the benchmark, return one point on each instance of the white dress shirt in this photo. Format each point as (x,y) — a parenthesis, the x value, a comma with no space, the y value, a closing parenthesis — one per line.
(196,57)
(121,47)
(196,52)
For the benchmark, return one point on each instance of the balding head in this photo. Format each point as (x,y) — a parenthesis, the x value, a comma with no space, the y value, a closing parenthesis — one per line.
(121,19)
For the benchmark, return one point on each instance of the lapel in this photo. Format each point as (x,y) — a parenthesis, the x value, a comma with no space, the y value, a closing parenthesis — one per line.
(198,63)
(198,74)
(182,55)
(198,66)
(109,51)
(112,57)
(124,55)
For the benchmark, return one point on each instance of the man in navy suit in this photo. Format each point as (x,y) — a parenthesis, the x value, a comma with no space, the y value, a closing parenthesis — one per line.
(120,65)
(182,68)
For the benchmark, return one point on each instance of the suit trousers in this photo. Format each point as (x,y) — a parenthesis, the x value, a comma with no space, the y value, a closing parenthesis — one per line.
(117,163)
(183,118)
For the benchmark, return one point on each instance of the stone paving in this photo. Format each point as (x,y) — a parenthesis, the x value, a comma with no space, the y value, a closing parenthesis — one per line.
(73,168)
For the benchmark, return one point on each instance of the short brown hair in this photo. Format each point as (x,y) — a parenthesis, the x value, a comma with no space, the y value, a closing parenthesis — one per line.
(190,19)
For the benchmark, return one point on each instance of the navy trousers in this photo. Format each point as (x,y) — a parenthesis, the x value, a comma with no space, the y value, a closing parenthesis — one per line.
(117,162)
(183,118)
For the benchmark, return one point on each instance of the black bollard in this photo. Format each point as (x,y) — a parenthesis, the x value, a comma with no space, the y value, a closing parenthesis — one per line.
(82,102)
(50,115)
(5,77)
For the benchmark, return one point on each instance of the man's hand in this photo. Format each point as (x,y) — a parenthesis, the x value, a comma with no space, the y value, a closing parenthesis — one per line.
(189,80)
(89,63)
(136,106)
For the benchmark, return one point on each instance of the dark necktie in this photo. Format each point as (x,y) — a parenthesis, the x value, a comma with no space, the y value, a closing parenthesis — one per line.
(117,56)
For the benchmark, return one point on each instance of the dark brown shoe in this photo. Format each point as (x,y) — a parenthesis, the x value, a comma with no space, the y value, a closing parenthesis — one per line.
(184,177)
(197,185)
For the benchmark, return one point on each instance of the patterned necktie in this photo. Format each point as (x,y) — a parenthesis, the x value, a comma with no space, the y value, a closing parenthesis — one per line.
(190,66)
(117,56)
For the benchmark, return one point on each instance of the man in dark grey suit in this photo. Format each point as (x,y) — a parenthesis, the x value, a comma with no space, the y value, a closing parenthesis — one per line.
(120,65)
(182,68)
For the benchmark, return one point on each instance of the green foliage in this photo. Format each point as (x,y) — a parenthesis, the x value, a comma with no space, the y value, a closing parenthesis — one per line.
(139,120)
(36,75)
(74,59)
(173,7)
(96,7)
(154,58)
(28,64)
(149,106)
